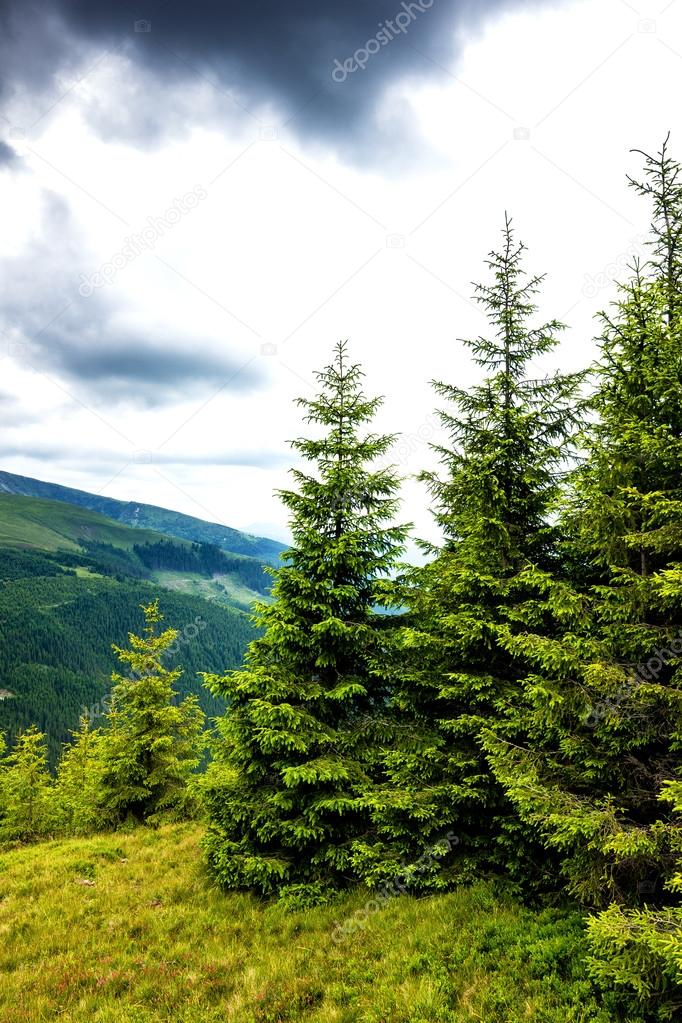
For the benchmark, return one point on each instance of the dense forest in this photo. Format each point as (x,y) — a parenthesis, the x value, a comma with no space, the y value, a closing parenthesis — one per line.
(204,559)
(56,631)
(517,716)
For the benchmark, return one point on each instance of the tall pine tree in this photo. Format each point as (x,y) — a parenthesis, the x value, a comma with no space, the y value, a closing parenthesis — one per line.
(287,793)
(603,714)
(502,462)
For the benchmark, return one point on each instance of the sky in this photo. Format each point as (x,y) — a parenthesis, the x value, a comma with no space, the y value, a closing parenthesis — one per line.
(199,200)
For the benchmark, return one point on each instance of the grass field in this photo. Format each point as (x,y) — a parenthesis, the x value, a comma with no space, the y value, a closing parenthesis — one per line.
(124,929)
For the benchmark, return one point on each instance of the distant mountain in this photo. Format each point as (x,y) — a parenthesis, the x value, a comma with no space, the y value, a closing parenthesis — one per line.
(50,526)
(148,516)
(97,545)
(71,584)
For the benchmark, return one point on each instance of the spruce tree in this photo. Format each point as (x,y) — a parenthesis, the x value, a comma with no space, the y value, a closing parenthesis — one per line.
(602,713)
(79,781)
(502,464)
(637,950)
(27,810)
(287,793)
(152,744)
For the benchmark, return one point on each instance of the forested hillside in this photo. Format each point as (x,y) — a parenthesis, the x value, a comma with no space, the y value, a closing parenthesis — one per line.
(56,631)
(71,584)
(92,542)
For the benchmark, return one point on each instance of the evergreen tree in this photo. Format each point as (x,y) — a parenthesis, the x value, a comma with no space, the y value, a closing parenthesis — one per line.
(287,792)
(152,744)
(26,790)
(503,459)
(79,781)
(603,714)
(638,949)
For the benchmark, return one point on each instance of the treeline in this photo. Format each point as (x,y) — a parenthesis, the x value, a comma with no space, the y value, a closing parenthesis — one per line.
(23,565)
(204,559)
(139,562)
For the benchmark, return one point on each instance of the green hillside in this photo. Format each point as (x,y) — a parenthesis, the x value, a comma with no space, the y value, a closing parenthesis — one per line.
(148,516)
(99,545)
(51,526)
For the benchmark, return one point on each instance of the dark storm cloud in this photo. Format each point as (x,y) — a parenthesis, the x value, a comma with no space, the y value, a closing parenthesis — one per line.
(127,366)
(324,65)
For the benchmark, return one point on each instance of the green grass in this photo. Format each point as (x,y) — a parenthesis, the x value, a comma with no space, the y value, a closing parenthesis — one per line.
(224,589)
(148,940)
(49,526)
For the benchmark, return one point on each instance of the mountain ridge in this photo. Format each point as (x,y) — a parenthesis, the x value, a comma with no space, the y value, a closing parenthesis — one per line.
(139,515)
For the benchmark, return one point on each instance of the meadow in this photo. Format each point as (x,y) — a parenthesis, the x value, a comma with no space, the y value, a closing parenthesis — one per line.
(125,928)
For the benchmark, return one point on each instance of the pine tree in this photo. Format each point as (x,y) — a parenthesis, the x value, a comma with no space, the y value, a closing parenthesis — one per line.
(152,744)
(26,790)
(79,781)
(503,460)
(287,792)
(603,716)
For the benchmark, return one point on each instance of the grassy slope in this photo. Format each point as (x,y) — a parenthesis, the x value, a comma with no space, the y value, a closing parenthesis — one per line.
(224,589)
(149,941)
(148,516)
(51,526)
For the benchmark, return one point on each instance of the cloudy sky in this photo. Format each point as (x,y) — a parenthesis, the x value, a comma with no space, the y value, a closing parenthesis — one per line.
(199,199)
